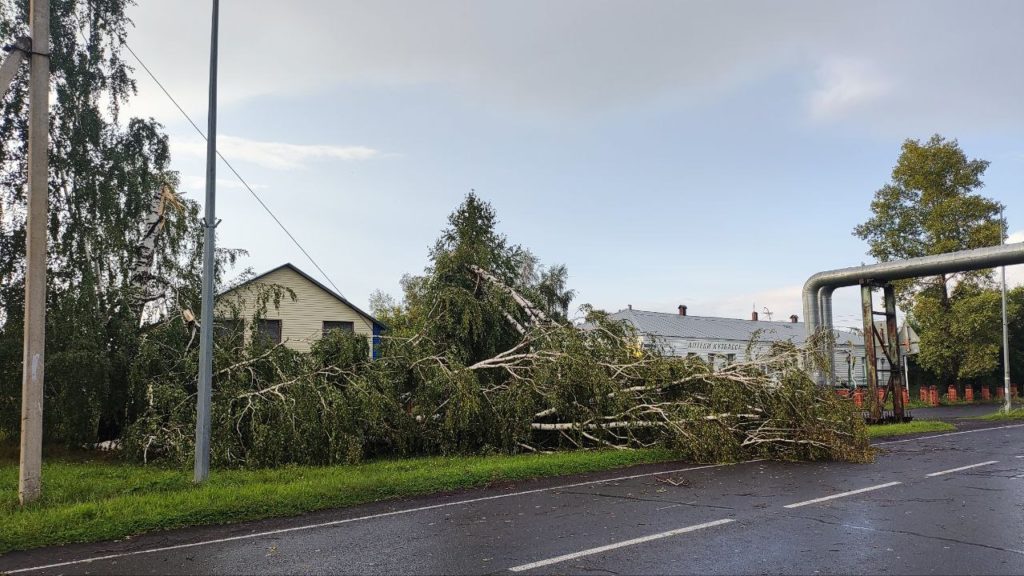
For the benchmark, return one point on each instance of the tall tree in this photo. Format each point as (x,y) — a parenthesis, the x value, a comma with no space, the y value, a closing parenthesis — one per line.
(931,206)
(119,236)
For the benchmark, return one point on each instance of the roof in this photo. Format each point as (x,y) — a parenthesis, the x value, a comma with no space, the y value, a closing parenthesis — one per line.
(315,282)
(670,325)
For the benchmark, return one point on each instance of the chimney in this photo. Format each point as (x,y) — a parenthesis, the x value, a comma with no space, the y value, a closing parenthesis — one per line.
(682,310)
(630,306)
(794,318)
(753,316)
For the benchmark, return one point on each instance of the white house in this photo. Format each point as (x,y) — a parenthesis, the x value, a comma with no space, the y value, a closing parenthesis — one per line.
(721,341)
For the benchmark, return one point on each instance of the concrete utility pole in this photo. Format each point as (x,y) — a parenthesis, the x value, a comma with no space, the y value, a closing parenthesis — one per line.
(29,471)
(1007,405)
(202,468)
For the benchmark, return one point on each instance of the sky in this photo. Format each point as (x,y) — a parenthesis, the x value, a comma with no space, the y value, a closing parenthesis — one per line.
(713,154)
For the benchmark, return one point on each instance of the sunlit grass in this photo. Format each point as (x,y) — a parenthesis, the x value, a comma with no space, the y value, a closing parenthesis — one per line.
(86,501)
(1015,414)
(912,427)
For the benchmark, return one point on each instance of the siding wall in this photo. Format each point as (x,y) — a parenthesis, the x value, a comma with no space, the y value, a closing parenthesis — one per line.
(301,319)
(721,348)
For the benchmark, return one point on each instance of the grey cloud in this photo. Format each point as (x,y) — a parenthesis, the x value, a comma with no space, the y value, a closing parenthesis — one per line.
(951,61)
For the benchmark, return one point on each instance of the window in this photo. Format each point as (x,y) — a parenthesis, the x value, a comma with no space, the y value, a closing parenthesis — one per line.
(228,330)
(338,325)
(711,360)
(269,329)
(730,358)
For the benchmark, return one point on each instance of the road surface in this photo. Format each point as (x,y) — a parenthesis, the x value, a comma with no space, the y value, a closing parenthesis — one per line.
(941,504)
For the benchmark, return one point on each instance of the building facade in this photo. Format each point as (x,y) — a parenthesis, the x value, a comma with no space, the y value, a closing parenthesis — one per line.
(722,341)
(297,323)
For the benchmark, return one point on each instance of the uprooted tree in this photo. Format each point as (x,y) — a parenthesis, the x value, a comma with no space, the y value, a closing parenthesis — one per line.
(480,357)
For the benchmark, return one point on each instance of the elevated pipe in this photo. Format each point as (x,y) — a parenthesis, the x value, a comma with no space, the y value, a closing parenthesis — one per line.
(817,294)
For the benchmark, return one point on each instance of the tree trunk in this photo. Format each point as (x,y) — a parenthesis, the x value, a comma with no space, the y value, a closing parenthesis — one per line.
(145,287)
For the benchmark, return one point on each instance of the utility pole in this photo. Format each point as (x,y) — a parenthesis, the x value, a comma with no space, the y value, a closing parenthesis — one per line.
(30,465)
(202,467)
(1007,405)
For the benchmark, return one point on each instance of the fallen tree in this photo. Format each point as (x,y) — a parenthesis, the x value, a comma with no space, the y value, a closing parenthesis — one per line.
(479,358)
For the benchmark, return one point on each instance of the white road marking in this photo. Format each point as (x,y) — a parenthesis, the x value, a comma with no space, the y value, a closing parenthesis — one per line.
(949,434)
(368,517)
(841,495)
(951,470)
(1021,456)
(622,544)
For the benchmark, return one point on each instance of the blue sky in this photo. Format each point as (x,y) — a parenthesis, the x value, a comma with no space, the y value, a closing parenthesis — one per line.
(699,153)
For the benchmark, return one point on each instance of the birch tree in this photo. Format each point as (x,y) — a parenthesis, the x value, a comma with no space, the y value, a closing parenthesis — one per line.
(120,235)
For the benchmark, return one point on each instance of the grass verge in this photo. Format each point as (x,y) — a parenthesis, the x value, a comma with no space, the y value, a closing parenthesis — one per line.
(912,427)
(1015,414)
(89,501)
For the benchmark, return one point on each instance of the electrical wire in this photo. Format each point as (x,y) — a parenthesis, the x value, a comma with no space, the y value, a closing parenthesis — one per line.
(233,171)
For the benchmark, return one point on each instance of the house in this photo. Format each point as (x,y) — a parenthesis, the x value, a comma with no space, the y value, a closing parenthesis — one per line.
(298,323)
(721,341)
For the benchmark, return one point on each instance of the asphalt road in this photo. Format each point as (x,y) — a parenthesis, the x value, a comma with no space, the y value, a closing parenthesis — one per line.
(941,504)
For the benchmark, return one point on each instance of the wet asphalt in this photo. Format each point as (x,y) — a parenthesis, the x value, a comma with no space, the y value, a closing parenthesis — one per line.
(664,519)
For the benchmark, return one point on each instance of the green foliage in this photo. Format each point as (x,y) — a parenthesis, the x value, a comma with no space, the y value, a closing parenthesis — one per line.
(1000,416)
(91,500)
(105,174)
(931,206)
(470,365)
(912,427)
(1015,321)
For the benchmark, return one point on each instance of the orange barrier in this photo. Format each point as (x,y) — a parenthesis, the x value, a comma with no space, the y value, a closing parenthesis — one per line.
(951,394)
(969,394)
(986,394)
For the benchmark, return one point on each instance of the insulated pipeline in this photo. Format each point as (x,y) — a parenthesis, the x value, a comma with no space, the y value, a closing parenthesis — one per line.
(817,293)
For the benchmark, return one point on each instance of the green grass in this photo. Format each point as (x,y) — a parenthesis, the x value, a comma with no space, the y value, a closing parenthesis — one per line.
(94,500)
(912,427)
(1015,414)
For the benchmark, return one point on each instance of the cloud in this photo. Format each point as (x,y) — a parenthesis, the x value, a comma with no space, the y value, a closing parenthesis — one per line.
(275,155)
(845,85)
(586,55)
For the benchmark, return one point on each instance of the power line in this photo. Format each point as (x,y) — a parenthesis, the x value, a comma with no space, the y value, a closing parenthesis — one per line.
(233,171)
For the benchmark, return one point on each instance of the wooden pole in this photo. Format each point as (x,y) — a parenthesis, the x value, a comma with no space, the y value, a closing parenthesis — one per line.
(29,471)
(893,349)
(870,354)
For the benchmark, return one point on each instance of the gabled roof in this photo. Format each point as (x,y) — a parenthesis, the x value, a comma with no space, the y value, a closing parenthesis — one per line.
(315,282)
(669,325)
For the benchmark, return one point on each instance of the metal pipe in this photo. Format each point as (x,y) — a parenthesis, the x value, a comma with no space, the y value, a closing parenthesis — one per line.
(962,261)
(825,307)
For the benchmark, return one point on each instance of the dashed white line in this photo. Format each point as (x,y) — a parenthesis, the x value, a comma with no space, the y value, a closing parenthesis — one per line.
(622,544)
(361,518)
(949,434)
(841,495)
(951,470)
